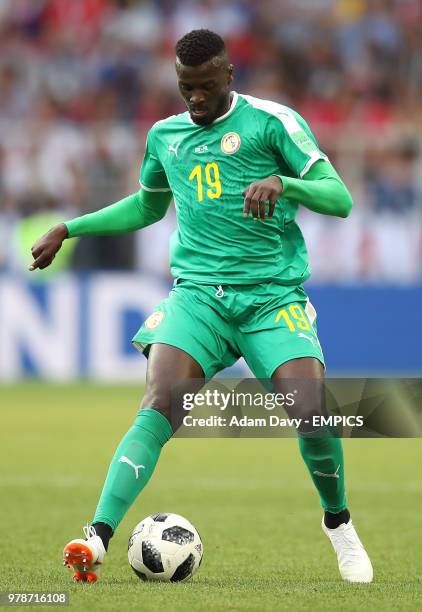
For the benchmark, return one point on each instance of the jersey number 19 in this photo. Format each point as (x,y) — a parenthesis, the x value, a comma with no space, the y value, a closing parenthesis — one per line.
(212,179)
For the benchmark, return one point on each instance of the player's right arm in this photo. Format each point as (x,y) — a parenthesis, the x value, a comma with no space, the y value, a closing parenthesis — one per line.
(134,212)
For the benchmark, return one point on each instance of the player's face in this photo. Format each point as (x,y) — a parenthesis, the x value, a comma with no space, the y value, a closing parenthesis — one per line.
(206,89)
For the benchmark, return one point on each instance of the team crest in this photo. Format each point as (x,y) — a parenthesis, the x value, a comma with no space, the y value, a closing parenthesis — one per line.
(230,143)
(154,320)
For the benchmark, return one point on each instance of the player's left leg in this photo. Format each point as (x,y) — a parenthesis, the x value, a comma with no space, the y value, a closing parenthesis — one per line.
(321,451)
(278,340)
(323,455)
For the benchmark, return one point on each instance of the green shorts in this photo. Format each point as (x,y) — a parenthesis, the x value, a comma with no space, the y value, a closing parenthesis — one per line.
(267,324)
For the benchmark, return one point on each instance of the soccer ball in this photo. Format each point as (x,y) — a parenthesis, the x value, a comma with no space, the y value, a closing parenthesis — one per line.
(165,547)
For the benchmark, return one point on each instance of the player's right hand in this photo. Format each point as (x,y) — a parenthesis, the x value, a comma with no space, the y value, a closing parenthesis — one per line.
(45,249)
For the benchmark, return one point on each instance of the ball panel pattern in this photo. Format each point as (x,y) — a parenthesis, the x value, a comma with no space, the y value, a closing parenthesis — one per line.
(151,557)
(132,538)
(165,547)
(160,517)
(178,535)
(184,570)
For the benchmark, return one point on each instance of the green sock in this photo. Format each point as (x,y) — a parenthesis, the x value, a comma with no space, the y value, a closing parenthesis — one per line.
(324,459)
(132,465)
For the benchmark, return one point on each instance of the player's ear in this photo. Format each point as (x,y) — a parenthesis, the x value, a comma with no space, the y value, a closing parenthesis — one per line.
(230,69)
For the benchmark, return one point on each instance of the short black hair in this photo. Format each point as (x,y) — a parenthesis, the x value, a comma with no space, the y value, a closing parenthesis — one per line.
(199,46)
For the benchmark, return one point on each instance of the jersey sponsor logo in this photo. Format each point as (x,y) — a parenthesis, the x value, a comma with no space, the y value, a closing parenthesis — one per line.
(154,320)
(174,149)
(201,149)
(230,143)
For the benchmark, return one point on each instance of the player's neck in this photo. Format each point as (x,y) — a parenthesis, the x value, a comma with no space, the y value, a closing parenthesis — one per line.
(227,105)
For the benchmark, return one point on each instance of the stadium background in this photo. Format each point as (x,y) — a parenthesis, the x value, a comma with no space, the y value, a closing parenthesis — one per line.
(82,82)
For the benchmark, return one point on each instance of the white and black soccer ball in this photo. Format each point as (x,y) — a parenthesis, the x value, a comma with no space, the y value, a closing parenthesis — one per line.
(165,547)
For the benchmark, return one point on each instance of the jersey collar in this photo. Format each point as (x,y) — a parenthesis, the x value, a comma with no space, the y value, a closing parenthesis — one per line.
(233,103)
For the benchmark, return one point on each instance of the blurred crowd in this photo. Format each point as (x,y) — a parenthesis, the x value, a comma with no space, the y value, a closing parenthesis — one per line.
(81,82)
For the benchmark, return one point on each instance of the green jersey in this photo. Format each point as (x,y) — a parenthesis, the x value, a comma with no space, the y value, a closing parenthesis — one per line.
(207,168)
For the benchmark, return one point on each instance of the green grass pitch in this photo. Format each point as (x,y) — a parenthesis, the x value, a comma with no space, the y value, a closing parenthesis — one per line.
(251,500)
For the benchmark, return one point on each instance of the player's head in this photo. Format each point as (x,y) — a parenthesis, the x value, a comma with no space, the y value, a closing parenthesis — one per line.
(204,75)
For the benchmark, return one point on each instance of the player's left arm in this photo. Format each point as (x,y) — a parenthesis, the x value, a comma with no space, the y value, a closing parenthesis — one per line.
(320,190)
(317,185)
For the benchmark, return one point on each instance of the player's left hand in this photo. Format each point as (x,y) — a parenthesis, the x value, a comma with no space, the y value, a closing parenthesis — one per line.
(258,194)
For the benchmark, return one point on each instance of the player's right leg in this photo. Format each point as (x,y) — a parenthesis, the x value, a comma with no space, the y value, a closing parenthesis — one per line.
(135,458)
(187,338)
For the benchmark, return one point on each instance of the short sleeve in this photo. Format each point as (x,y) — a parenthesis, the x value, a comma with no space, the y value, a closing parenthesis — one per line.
(152,174)
(291,137)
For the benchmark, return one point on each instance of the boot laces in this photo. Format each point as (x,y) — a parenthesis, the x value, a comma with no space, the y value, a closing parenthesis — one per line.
(89,531)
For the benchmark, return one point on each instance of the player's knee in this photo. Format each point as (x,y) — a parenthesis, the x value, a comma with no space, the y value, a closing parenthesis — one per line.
(163,409)
(159,402)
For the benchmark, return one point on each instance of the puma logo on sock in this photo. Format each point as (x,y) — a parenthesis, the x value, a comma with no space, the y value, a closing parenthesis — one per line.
(124,459)
(334,475)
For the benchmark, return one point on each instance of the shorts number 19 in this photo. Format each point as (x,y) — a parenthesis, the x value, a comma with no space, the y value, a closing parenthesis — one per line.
(300,320)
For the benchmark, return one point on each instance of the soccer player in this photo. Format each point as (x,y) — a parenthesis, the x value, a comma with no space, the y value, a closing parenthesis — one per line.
(237,168)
